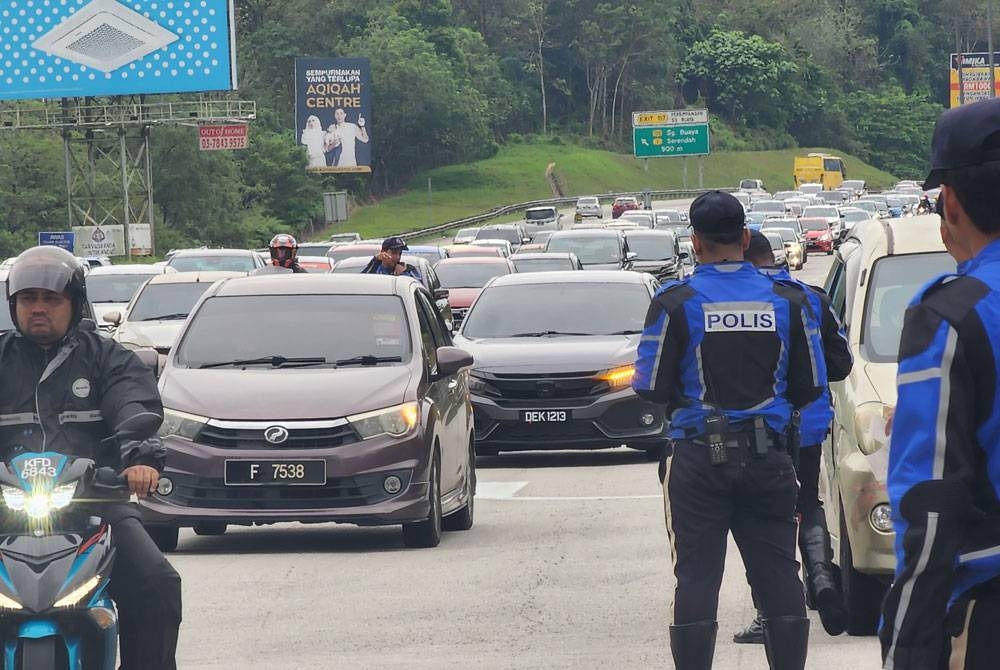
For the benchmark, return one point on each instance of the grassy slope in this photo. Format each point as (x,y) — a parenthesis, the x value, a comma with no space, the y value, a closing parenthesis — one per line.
(517,174)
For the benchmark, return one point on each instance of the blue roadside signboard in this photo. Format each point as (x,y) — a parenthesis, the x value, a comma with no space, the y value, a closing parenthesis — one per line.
(61,240)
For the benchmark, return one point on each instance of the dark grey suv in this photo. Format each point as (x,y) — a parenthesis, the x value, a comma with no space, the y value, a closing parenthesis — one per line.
(554,362)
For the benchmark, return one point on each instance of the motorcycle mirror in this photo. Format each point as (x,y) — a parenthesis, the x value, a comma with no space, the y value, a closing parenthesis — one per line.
(138,426)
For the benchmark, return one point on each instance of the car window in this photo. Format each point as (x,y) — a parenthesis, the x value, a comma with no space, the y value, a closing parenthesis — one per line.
(334,327)
(426,318)
(208,263)
(894,281)
(159,302)
(590,249)
(834,286)
(542,264)
(114,288)
(652,247)
(442,337)
(469,275)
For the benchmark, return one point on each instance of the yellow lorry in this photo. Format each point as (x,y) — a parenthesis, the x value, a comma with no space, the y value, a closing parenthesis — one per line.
(819,169)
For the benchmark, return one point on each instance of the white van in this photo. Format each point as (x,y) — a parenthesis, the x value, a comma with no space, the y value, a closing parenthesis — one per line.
(541,218)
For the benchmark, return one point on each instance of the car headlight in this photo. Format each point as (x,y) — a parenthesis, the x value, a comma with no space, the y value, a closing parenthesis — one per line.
(872,422)
(481,386)
(181,424)
(79,593)
(8,603)
(618,378)
(38,504)
(398,421)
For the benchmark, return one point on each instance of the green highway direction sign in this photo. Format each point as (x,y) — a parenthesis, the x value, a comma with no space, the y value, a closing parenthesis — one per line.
(689,139)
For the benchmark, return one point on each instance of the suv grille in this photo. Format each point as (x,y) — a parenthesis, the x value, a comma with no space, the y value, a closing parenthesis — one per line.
(298,438)
(547,387)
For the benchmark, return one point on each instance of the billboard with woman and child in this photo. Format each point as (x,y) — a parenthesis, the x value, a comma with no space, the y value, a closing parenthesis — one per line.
(332,113)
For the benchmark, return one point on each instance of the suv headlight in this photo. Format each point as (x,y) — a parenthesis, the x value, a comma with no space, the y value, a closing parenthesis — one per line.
(398,421)
(181,424)
(618,378)
(872,421)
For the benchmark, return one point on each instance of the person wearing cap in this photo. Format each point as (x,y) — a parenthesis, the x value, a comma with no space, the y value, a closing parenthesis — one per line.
(731,353)
(390,260)
(69,389)
(943,609)
(814,425)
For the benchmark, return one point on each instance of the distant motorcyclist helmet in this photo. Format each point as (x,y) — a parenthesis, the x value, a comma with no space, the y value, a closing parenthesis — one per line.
(284,248)
(51,269)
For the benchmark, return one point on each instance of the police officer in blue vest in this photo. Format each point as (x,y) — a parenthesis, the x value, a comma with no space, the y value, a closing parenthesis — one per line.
(943,610)
(814,424)
(732,353)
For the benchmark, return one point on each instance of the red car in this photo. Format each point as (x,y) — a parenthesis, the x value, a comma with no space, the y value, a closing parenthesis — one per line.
(464,278)
(622,204)
(819,236)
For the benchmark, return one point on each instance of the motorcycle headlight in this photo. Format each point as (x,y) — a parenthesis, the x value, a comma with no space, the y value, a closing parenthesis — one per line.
(7,603)
(38,504)
(398,421)
(79,593)
(618,378)
(181,424)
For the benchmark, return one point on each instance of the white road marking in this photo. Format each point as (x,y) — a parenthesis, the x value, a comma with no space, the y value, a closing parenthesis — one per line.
(579,498)
(498,490)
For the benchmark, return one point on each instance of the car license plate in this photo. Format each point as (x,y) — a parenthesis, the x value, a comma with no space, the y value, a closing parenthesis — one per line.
(545,416)
(276,473)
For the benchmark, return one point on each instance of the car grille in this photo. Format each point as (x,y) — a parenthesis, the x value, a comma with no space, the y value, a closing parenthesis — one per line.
(201,492)
(298,438)
(548,387)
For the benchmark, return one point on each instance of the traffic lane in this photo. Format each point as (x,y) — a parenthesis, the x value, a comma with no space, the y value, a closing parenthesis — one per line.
(815,270)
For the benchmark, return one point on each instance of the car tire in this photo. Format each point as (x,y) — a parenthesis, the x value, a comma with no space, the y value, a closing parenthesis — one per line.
(427,533)
(164,537)
(863,594)
(463,518)
(655,454)
(210,528)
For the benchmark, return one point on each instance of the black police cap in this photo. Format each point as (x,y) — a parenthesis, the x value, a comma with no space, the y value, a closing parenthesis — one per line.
(760,246)
(963,137)
(394,244)
(718,214)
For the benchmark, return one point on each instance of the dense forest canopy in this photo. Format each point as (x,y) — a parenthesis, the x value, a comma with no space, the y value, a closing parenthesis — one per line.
(454,79)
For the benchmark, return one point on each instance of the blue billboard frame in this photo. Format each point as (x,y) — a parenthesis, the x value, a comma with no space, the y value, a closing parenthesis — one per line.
(78,48)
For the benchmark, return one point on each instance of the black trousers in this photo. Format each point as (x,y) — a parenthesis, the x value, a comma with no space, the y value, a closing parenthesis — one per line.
(755,499)
(147,591)
(808,472)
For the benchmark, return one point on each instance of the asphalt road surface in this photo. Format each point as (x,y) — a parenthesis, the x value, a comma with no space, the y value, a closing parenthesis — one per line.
(567,566)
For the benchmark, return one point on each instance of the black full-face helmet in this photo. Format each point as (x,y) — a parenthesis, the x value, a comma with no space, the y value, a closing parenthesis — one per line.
(52,269)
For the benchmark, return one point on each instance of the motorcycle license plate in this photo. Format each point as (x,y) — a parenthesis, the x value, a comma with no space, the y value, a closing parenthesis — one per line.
(276,473)
(545,416)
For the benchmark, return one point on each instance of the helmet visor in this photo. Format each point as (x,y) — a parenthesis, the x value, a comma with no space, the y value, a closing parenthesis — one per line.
(38,271)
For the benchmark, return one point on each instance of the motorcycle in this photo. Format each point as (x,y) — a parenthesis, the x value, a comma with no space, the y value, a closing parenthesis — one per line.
(55,563)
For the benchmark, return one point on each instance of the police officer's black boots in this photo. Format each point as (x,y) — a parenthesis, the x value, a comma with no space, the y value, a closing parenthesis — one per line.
(693,645)
(817,555)
(786,639)
(753,633)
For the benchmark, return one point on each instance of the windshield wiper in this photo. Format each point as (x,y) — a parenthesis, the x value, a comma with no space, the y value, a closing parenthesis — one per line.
(369,360)
(545,333)
(273,361)
(167,317)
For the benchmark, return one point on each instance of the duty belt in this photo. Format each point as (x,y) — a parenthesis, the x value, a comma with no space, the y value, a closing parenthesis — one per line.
(740,439)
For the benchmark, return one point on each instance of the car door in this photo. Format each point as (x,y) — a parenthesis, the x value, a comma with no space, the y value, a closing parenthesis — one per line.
(447,396)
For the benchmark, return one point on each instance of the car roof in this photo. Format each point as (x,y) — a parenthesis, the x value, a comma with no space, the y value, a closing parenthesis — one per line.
(503,226)
(646,232)
(472,260)
(194,277)
(911,235)
(212,252)
(571,277)
(535,209)
(544,256)
(134,269)
(314,284)
(584,232)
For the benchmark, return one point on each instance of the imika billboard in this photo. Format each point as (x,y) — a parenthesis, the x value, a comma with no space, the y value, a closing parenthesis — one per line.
(76,48)
(332,113)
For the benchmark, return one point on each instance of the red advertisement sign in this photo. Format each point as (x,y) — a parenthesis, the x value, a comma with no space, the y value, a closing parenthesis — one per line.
(214,138)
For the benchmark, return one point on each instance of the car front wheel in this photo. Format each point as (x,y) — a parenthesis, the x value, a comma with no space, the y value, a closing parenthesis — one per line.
(863,593)
(427,533)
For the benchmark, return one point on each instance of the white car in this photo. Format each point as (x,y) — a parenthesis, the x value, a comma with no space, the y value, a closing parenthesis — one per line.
(111,288)
(541,218)
(465,235)
(588,207)
(212,260)
(503,245)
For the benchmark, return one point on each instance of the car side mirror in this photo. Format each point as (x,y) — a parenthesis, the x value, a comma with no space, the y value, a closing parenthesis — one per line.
(631,256)
(685,256)
(452,360)
(114,318)
(441,294)
(525,240)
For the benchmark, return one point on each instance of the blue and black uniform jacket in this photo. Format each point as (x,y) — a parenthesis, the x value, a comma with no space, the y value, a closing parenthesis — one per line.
(375,267)
(944,458)
(732,338)
(817,415)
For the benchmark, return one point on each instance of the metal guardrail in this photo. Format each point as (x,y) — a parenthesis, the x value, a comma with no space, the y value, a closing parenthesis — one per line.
(510,209)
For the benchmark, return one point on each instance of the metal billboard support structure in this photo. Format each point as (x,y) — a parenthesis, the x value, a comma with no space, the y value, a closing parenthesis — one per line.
(109,172)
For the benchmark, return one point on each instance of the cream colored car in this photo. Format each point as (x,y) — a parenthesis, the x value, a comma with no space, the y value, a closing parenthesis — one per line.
(876,272)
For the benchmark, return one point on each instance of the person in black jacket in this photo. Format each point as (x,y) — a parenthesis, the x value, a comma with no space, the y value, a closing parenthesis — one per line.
(68,389)
(389,260)
(284,253)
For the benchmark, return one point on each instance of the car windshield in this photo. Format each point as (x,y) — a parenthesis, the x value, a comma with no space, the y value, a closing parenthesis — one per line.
(652,247)
(508,234)
(748,184)
(668,216)
(683,232)
(856,184)
(314,249)
(854,217)
(167,301)
(542,264)
(430,255)
(589,249)
(894,282)
(522,309)
(469,275)
(769,206)
(587,202)
(466,234)
(769,224)
(364,325)
(814,224)
(787,234)
(339,253)
(541,237)
(815,210)
(209,263)
(114,288)
(539,214)
(775,240)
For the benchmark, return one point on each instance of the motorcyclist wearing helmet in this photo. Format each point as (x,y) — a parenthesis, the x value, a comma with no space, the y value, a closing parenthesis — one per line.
(70,388)
(284,252)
